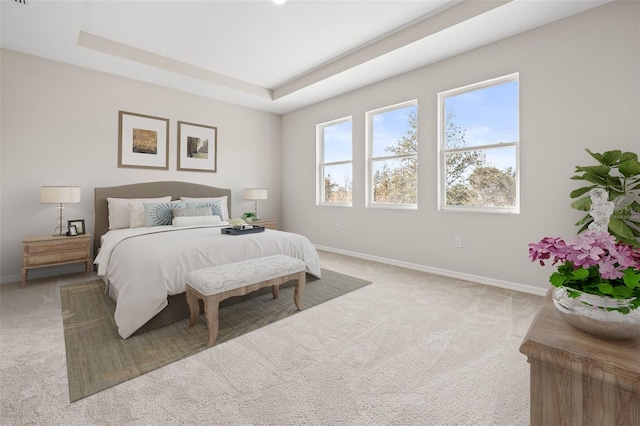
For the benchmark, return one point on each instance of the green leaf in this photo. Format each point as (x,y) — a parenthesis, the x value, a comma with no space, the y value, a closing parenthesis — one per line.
(601,171)
(610,157)
(584,227)
(557,279)
(585,220)
(614,181)
(629,168)
(631,278)
(599,158)
(622,292)
(583,204)
(626,156)
(581,191)
(572,293)
(605,288)
(594,178)
(621,230)
(580,274)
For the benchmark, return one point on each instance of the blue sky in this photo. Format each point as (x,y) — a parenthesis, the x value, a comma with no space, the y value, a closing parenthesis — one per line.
(389,127)
(337,142)
(488,116)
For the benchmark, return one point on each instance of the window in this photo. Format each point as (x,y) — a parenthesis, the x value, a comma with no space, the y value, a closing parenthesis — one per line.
(393,156)
(478,146)
(335,162)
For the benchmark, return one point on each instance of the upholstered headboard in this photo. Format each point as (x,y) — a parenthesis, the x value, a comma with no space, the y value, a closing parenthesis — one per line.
(145,190)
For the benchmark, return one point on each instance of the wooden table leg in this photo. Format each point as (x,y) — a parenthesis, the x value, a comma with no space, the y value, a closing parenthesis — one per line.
(211,304)
(194,306)
(299,290)
(275,291)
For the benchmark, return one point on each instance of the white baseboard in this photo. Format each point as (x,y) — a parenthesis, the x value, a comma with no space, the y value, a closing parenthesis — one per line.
(444,272)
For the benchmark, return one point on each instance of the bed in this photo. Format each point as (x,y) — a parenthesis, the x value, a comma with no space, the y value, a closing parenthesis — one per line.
(144,267)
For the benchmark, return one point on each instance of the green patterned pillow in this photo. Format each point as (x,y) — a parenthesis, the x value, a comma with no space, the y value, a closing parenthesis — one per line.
(160,214)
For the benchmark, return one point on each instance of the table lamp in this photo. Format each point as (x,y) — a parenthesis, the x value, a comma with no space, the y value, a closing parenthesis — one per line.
(60,195)
(255,194)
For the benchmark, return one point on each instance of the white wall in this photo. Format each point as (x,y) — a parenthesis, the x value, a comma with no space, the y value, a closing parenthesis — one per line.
(579,88)
(59,126)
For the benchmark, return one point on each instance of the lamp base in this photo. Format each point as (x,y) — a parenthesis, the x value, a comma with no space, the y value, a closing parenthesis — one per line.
(60,229)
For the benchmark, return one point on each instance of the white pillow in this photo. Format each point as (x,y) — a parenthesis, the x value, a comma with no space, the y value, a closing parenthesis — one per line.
(136,214)
(196,220)
(223,200)
(119,210)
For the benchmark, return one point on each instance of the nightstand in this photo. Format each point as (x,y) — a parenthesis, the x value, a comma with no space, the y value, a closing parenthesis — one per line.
(44,251)
(267,223)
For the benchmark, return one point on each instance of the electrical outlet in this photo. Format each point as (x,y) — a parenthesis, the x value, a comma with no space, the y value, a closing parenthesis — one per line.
(337,227)
(457,242)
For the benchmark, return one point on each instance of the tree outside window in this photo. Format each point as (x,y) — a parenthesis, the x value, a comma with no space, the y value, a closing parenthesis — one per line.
(393,156)
(335,162)
(479,141)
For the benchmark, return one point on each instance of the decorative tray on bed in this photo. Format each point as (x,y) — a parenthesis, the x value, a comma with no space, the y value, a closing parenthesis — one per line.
(246,229)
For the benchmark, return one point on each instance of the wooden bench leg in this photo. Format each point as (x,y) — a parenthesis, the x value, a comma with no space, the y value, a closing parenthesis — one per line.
(275,289)
(194,306)
(299,290)
(211,304)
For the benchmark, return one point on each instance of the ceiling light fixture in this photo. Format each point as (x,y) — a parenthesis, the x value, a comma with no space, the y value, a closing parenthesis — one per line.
(279,2)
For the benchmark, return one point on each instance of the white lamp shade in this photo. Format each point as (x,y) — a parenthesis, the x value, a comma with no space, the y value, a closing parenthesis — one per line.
(59,194)
(255,194)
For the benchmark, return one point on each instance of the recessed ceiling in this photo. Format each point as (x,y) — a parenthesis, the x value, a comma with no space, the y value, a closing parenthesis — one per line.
(270,57)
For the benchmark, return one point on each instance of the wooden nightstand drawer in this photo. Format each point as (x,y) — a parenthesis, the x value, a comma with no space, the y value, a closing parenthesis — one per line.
(55,246)
(54,258)
(267,223)
(38,252)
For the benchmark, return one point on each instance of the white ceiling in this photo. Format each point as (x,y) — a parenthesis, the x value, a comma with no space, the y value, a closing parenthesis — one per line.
(261,55)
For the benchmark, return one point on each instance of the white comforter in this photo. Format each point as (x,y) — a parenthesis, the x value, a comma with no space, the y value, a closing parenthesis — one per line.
(144,265)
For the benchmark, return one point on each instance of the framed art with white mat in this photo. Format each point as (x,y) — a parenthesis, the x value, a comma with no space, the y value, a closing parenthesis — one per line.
(143,141)
(197,147)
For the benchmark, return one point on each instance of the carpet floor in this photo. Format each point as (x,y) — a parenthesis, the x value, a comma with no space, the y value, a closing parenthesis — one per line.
(97,358)
(412,348)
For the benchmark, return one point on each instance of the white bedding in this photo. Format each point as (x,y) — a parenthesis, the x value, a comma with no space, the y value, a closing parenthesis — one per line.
(144,265)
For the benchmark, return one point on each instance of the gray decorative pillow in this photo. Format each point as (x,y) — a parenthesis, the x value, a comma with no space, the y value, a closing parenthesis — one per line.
(215,206)
(159,214)
(194,211)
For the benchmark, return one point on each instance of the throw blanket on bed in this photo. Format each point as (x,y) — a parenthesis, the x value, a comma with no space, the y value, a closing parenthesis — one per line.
(144,265)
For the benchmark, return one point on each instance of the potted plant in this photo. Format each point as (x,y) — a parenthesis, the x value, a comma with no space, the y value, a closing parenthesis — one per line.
(250,217)
(617,173)
(598,274)
(597,282)
(593,263)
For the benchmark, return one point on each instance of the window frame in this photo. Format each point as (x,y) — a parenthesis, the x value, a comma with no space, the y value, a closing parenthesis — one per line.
(443,151)
(369,202)
(321,164)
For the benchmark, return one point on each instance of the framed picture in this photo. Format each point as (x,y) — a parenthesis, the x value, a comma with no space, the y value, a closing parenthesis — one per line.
(197,147)
(72,231)
(143,141)
(78,224)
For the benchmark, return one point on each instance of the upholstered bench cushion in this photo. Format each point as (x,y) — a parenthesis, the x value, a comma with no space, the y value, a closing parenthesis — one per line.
(221,278)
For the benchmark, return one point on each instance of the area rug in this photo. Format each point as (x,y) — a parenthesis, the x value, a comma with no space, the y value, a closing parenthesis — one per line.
(97,358)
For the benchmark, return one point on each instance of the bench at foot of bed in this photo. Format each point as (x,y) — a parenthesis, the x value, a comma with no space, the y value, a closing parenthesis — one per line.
(218,283)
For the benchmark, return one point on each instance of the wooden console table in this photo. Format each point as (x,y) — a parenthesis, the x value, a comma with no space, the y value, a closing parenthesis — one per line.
(578,379)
